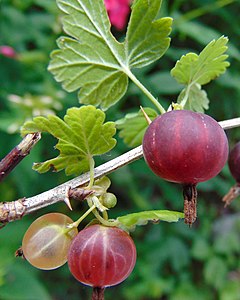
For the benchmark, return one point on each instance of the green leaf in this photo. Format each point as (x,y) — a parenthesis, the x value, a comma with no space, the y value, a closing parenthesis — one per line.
(197,99)
(82,135)
(202,68)
(133,126)
(142,218)
(92,60)
(143,33)
(103,182)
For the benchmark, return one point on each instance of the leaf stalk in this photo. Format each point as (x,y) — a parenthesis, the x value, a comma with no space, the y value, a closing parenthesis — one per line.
(145,91)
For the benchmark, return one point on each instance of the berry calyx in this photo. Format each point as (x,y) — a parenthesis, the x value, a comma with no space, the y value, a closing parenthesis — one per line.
(101,256)
(185,147)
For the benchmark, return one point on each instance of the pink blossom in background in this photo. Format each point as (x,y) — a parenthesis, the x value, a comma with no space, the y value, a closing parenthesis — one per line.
(8,51)
(118,11)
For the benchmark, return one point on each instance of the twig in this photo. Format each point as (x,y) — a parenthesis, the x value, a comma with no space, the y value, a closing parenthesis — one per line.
(10,211)
(13,158)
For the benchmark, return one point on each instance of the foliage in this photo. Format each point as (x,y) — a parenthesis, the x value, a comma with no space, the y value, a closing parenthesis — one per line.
(81,135)
(176,262)
(142,218)
(195,70)
(132,127)
(92,59)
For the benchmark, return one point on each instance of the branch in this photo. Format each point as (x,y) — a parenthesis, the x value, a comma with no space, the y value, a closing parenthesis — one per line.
(13,158)
(11,211)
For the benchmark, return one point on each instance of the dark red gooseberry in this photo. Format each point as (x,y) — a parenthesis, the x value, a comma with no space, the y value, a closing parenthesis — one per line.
(101,256)
(185,147)
(234,162)
(234,167)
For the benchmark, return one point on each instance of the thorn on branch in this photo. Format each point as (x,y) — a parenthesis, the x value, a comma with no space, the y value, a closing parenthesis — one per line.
(78,194)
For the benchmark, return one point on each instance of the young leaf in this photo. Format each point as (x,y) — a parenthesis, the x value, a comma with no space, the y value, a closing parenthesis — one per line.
(197,98)
(202,68)
(82,135)
(143,34)
(131,220)
(132,126)
(92,60)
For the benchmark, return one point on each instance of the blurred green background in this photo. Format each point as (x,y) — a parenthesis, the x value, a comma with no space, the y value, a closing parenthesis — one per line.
(174,262)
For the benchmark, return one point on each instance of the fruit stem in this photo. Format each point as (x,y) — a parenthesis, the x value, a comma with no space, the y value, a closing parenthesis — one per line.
(190,203)
(98,293)
(76,223)
(145,91)
(233,193)
(105,215)
(185,98)
(103,221)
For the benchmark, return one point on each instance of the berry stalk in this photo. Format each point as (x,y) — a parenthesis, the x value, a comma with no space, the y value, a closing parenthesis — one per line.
(98,293)
(190,203)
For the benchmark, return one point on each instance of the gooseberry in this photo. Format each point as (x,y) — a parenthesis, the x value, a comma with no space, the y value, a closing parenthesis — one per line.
(46,242)
(234,162)
(101,256)
(234,167)
(185,147)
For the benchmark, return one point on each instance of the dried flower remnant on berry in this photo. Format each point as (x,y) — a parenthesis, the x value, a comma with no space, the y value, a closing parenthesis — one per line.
(118,11)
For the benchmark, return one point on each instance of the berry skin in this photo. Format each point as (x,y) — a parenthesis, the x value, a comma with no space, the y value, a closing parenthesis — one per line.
(234,167)
(46,242)
(234,162)
(185,147)
(101,256)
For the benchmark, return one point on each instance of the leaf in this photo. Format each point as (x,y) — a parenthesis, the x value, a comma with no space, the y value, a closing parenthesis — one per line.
(142,218)
(142,33)
(81,135)
(197,98)
(133,126)
(104,182)
(92,60)
(202,68)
